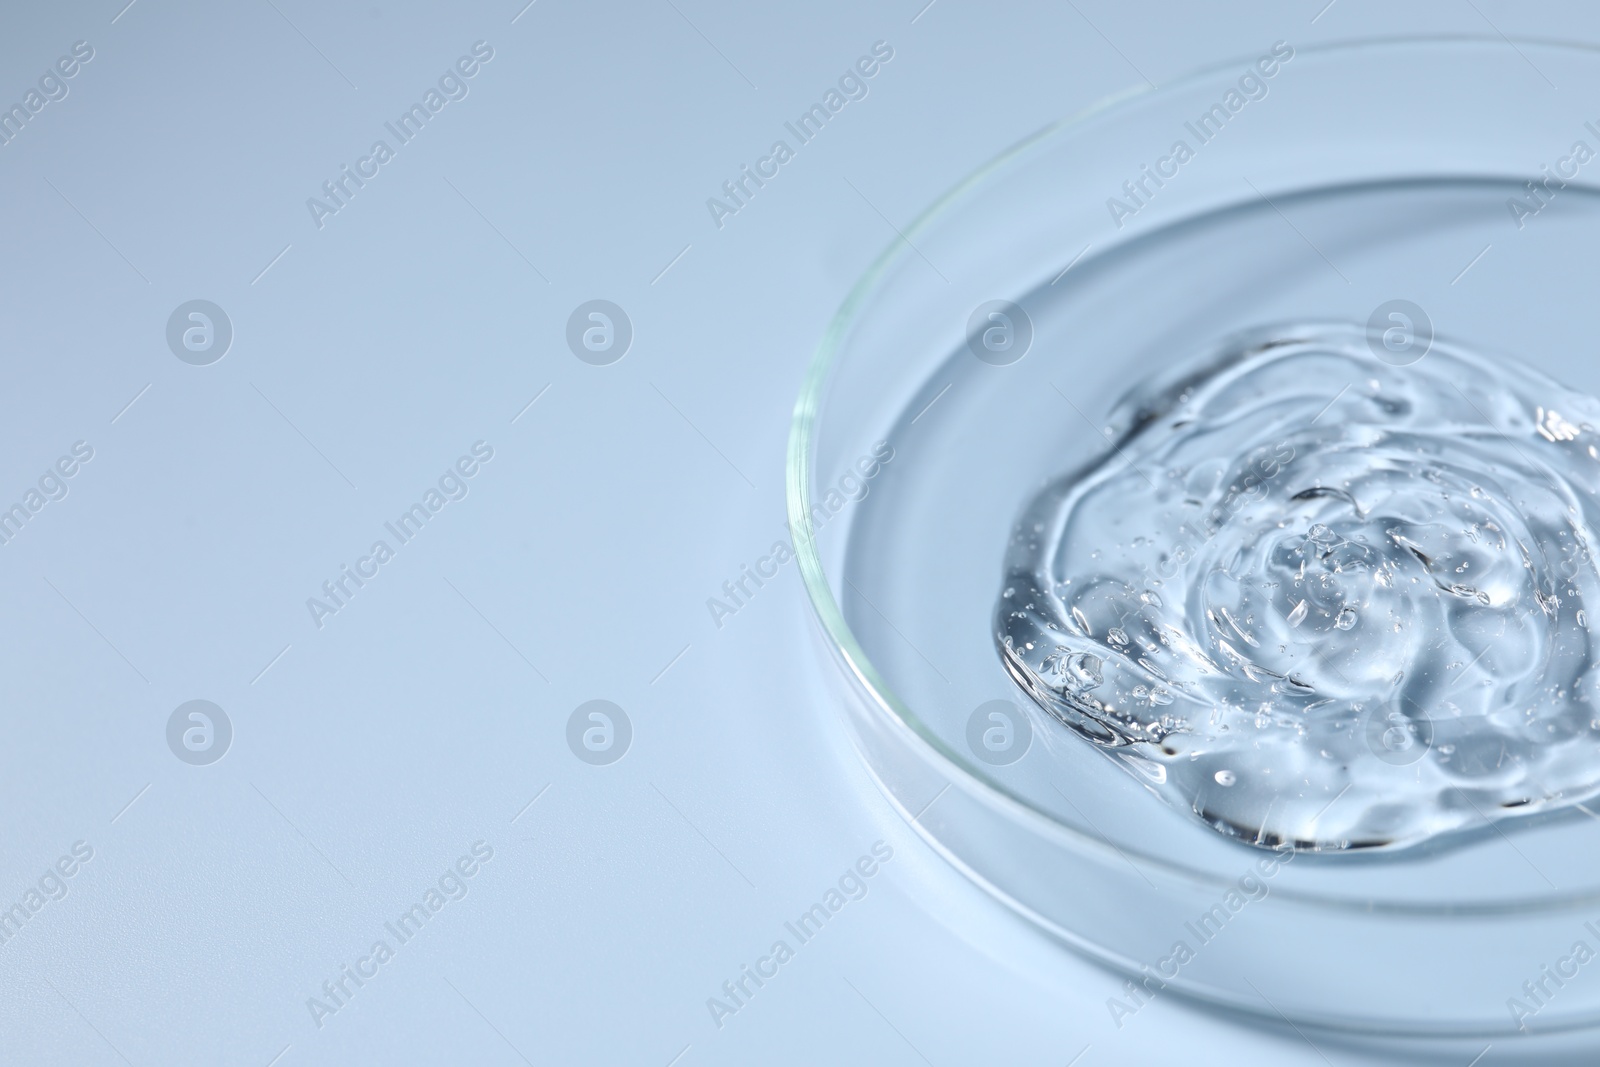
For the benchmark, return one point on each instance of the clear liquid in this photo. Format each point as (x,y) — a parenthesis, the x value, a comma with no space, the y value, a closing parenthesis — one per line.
(1324,602)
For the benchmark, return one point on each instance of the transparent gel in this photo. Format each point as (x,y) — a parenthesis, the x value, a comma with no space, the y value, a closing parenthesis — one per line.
(1322,601)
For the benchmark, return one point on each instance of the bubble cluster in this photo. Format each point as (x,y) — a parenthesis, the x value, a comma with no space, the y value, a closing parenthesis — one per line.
(1322,601)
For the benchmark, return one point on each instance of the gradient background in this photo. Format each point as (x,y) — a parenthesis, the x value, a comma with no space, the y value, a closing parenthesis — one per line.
(367,356)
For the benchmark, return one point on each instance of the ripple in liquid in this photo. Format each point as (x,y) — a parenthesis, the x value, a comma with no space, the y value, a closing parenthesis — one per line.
(1324,602)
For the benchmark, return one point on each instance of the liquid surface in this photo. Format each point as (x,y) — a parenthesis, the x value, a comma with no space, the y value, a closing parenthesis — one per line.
(1325,602)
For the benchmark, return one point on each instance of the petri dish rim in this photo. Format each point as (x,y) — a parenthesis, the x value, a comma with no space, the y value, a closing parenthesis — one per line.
(841,639)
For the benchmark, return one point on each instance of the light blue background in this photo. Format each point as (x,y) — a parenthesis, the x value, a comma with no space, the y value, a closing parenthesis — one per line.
(427,714)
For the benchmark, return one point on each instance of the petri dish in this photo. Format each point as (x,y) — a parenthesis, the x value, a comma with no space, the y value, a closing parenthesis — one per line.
(1317,187)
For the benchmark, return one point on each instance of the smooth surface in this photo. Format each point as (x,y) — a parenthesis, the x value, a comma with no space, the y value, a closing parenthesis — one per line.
(369,754)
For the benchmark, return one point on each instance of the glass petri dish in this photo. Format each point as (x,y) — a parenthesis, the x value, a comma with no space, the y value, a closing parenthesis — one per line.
(1317,185)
